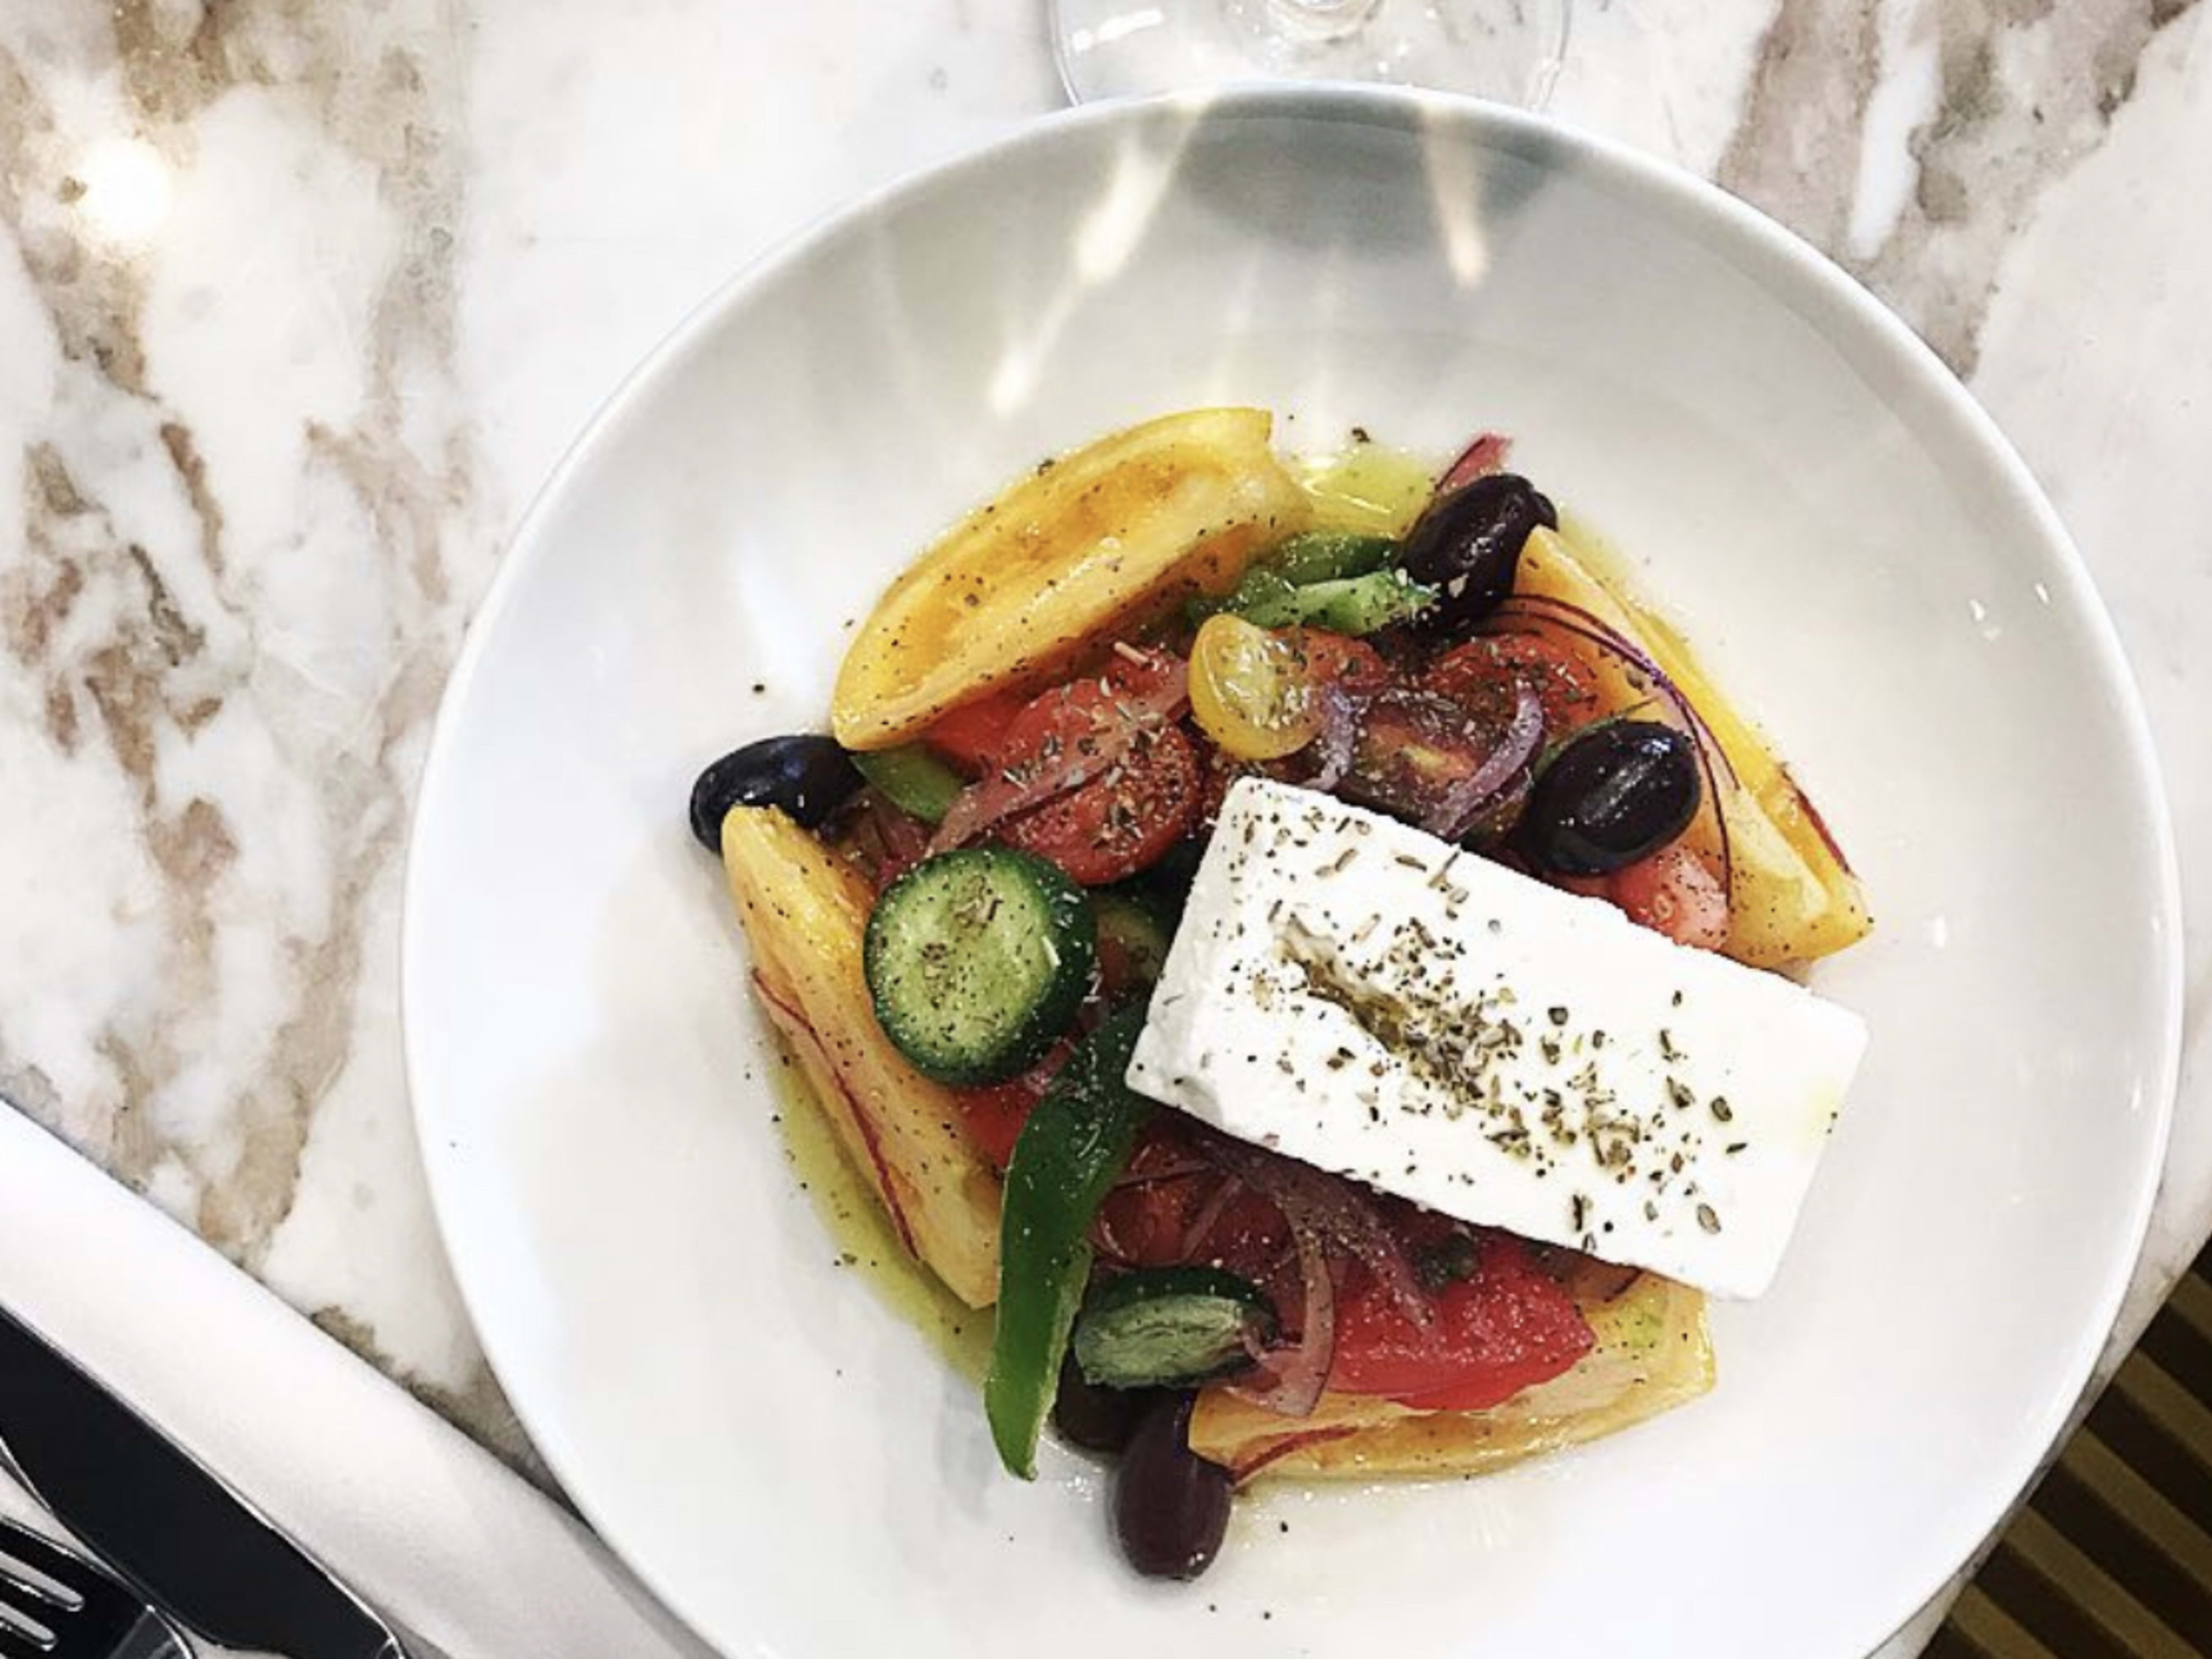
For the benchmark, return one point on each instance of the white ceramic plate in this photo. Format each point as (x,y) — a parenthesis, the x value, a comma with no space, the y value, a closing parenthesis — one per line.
(1851,545)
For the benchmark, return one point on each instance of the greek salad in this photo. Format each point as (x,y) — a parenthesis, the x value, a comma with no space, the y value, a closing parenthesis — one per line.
(1299,942)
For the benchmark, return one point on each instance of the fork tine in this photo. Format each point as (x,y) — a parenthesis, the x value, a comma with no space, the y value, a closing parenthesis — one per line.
(73,1575)
(26,1604)
(80,1612)
(21,1587)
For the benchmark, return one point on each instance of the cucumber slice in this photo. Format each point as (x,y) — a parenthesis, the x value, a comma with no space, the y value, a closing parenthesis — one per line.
(976,960)
(1171,1328)
(1133,936)
(911,779)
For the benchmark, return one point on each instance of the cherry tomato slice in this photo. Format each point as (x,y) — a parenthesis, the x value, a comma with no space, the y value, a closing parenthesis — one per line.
(1251,692)
(1414,749)
(1340,660)
(1122,821)
(1083,711)
(1480,674)
(1111,727)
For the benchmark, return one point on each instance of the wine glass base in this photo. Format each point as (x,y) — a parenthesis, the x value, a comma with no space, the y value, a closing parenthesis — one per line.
(1509,51)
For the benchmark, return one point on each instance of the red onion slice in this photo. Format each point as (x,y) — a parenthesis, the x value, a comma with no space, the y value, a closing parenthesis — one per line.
(1338,741)
(1291,1380)
(1187,1169)
(886,841)
(1209,1215)
(1336,1209)
(1486,455)
(905,839)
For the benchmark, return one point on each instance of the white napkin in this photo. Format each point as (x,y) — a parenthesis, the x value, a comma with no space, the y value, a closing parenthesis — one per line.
(422,1521)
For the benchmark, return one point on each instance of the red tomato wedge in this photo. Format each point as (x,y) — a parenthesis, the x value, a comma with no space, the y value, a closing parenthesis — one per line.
(1676,892)
(1501,1325)
(1506,1326)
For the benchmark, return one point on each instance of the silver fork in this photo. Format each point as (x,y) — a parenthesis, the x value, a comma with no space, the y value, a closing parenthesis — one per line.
(54,1604)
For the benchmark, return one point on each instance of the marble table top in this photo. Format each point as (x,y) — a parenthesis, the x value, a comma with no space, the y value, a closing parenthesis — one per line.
(298,304)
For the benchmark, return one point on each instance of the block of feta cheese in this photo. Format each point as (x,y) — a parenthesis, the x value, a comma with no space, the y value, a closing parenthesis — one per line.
(1357,995)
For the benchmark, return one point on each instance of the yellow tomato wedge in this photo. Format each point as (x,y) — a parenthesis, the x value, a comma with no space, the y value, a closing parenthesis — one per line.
(806,911)
(1061,559)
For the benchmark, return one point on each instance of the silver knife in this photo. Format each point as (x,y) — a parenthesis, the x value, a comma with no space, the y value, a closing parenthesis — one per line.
(165,1522)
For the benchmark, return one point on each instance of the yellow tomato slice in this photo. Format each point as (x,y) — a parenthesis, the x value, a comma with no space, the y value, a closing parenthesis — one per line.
(1250,691)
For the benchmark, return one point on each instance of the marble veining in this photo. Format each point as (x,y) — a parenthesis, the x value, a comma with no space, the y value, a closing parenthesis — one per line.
(1911,141)
(249,530)
(301,301)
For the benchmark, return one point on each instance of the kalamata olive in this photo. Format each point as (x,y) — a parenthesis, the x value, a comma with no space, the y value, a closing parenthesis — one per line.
(1097,1418)
(1467,545)
(809,777)
(1616,792)
(1170,1506)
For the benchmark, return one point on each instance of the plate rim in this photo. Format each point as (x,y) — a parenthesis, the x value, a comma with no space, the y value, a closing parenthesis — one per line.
(1925,379)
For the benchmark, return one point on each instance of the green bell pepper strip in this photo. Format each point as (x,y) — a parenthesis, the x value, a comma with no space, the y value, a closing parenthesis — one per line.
(911,779)
(1357,606)
(1354,605)
(1267,594)
(1068,1156)
(1259,593)
(1329,556)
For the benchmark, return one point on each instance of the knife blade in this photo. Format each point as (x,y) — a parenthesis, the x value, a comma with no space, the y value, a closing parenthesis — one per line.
(164,1521)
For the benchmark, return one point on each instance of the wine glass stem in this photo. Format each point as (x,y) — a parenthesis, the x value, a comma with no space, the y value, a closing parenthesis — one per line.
(1316,20)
